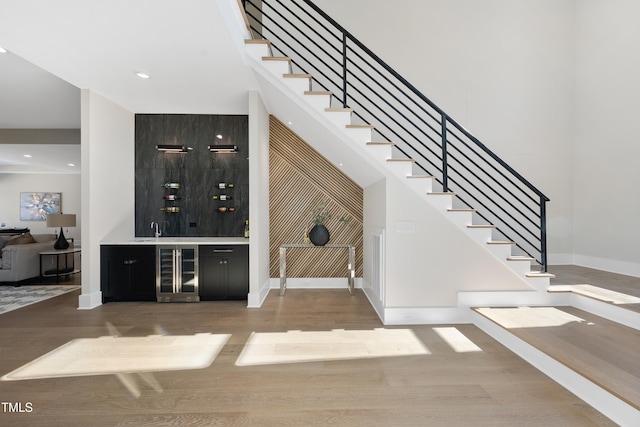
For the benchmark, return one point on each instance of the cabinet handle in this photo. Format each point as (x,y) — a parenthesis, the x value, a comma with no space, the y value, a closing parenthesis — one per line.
(130,261)
(226,251)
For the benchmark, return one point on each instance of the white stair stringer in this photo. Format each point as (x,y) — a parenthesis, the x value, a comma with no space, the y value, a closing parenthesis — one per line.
(358,137)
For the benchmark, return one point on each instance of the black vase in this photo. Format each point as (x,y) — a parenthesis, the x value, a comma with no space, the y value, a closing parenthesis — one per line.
(319,235)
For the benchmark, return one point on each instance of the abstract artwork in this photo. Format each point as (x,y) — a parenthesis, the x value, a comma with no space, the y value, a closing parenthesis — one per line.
(36,206)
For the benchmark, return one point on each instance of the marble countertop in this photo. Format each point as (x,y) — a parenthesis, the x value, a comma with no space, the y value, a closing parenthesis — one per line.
(178,241)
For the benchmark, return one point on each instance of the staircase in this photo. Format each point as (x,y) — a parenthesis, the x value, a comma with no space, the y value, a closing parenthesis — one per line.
(279,71)
(356,125)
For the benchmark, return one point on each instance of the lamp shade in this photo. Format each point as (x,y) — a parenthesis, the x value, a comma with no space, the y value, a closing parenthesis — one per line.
(61,220)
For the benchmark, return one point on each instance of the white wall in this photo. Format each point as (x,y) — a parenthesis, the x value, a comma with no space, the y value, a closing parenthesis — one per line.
(107,149)
(607,147)
(258,200)
(11,185)
(430,265)
(502,68)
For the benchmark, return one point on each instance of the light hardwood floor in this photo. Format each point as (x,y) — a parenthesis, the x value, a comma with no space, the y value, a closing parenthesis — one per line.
(491,387)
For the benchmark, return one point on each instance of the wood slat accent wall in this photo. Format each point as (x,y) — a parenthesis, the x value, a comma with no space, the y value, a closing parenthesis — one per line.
(299,179)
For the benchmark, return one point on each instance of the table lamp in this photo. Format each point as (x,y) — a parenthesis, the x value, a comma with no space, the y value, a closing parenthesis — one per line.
(61,220)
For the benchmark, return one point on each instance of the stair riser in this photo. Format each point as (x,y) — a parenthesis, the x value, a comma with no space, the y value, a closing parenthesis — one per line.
(318,102)
(257,51)
(441,202)
(277,68)
(380,152)
(297,84)
(461,219)
(338,118)
(539,283)
(401,169)
(519,267)
(421,185)
(501,251)
(482,235)
(359,135)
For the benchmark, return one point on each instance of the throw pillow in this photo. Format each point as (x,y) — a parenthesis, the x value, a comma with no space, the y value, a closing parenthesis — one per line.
(21,239)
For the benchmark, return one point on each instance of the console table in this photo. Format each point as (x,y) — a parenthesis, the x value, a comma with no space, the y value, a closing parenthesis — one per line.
(351,265)
(60,271)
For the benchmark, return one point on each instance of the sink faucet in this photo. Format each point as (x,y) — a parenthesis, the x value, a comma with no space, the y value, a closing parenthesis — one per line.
(155,225)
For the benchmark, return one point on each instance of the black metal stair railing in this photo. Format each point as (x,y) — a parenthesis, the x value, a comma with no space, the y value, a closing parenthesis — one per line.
(422,131)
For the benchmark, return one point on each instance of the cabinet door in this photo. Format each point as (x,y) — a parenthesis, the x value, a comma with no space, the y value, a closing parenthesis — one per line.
(224,272)
(142,276)
(214,275)
(238,271)
(127,273)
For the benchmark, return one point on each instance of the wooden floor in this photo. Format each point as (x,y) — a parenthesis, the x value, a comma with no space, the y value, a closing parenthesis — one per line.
(604,352)
(486,387)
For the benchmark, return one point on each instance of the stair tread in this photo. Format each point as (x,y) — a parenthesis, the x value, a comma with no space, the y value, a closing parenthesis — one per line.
(481,226)
(338,110)
(318,92)
(401,160)
(588,352)
(420,176)
(446,193)
(380,143)
(257,41)
(360,126)
(461,210)
(297,76)
(500,242)
(537,274)
(276,58)
(520,258)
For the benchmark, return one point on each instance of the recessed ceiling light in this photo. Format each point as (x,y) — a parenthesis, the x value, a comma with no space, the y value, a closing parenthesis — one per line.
(142,74)
(340,164)
(219,136)
(28,155)
(71,164)
(290,123)
(3,50)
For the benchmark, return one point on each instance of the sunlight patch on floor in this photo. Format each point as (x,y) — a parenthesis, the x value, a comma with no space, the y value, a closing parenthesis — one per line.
(121,355)
(529,317)
(297,346)
(457,340)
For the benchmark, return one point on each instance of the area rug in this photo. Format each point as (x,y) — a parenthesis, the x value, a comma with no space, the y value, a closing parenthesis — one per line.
(12,298)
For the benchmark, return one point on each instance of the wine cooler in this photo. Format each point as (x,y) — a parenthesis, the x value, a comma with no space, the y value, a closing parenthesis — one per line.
(177,273)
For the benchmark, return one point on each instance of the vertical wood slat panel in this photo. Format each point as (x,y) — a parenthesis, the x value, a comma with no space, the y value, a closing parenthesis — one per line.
(299,179)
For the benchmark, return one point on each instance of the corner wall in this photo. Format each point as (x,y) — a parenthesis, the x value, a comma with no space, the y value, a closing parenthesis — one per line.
(606,197)
(107,188)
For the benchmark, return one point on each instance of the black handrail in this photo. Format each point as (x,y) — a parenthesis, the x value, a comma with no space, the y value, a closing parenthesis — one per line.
(422,131)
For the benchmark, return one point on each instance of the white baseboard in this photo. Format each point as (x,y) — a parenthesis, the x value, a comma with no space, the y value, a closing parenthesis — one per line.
(315,283)
(90,301)
(607,310)
(255,299)
(426,316)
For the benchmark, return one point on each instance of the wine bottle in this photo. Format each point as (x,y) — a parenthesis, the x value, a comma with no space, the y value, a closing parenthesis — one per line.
(246,229)
(173,209)
(171,185)
(170,197)
(222,197)
(225,185)
(226,209)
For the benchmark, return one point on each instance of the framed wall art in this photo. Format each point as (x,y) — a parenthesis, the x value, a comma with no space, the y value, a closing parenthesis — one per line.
(36,206)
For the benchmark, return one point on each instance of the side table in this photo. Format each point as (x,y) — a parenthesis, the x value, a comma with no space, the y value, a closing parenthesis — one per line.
(61,269)
(351,265)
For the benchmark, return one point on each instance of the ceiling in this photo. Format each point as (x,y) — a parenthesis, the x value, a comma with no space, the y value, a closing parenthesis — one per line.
(57,48)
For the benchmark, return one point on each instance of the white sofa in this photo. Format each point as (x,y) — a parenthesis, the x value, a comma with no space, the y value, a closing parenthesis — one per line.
(22,261)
